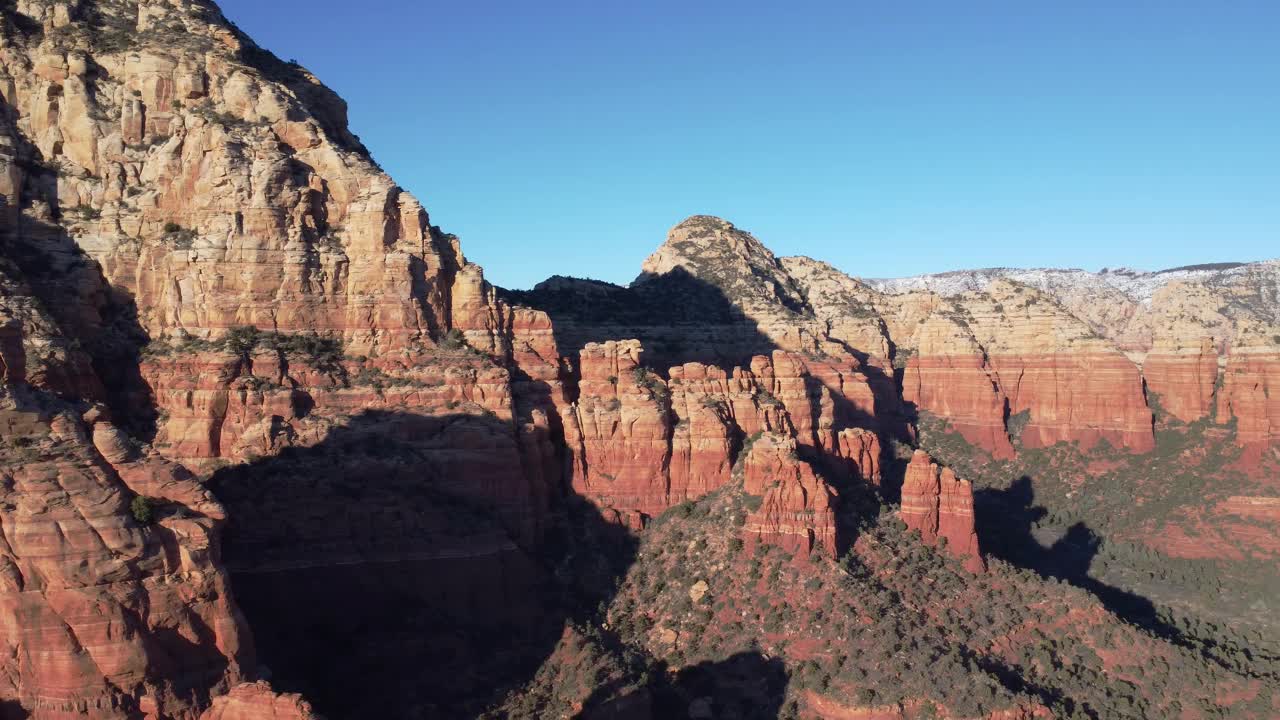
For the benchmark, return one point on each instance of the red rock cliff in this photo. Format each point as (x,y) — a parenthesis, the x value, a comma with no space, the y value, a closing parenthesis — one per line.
(256,701)
(940,506)
(1184,379)
(113,599)
(797,508)
(641,444)
(1251,394)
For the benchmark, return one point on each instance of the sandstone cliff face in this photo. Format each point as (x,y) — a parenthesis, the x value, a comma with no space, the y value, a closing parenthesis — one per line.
(620,431)
(1182,326)
(200,267)
(845,305)
(213,186)
(745,271)
(256,701)
(386,539)
(974,359)
(951,376)
(1184,379)
(980,357)
(1213,345)
(224,188)
(940,506)
(1075,385)
(191,236)
(1123,305)
(1215,348)
(797,507)
(713,294)
(641,444)
(107,610)
(1251,394)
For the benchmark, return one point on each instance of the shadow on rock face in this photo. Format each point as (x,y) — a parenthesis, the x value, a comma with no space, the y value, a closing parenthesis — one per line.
(102,362)
(380,579)
(1006,519)
(677,316)
(378,572)
(745,686)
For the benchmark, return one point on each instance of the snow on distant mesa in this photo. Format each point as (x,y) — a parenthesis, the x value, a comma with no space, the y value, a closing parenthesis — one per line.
(1138,285)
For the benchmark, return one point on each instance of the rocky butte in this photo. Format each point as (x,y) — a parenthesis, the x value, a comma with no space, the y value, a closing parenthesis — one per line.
(269,442)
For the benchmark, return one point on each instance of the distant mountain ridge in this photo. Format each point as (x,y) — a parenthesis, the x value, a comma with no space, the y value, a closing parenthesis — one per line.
(270,446)
(1139,285)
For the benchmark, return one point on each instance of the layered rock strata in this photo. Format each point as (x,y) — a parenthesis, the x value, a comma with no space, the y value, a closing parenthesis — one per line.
(1183,327)
(113,598)
(256,701)
(214,272)
(1251,394)
(940,506)
(797,508)
(950,376)
(205,248)
(1074,385)
(1184,379)
(640,444)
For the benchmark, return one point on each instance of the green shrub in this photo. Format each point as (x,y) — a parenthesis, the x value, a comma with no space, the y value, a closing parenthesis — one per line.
(902,357)
(751,440)
(763,397)
(181,238)
(1017,423)
(453,340)
(241,339)
(85,211)
(652,383)
(143,509)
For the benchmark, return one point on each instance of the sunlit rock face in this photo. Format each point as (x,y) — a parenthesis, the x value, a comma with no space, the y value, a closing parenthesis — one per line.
(939,506)
(252,701)
(199,264)
(1183,379)
(1184,328)
(113,598)
(797,507)
(208,287)
(640,444)
(1251,394)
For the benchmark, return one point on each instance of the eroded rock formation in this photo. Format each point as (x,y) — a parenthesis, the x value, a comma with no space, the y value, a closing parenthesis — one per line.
(1251,394)
(1183,327)
(1184,379)
(113,599)
(256,701)
(949,375)
(641,444)
(797,507)
(192,238)
(207,283)
(940,506)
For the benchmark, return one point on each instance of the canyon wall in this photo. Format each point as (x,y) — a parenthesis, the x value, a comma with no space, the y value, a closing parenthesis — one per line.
(235,355)
(640,443)
(114,600)
(939,506)
(1188,330)
(202,268)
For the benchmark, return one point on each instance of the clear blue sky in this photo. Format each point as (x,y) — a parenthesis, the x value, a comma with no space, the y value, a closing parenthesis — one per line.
(889,138)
